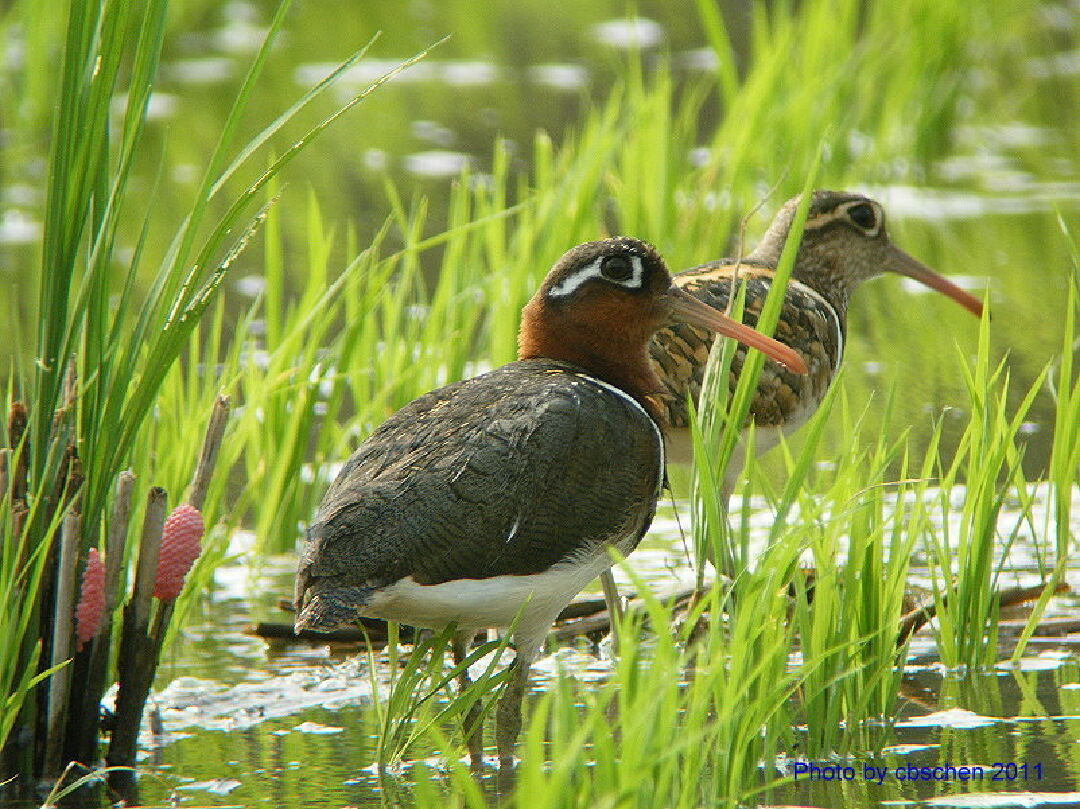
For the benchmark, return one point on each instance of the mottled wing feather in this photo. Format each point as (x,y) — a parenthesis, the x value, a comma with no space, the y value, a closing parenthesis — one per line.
(507,473)
(808,323)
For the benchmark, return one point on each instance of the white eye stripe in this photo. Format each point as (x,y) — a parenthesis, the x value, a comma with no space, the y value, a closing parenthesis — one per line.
(571,283)
(842,212)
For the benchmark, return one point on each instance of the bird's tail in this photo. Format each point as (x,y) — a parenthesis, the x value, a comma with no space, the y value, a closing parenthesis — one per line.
(331,609)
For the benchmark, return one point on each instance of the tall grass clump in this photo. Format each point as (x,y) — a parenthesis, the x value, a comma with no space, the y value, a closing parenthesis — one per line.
(421,699)
(105,344)
(718,432)
(969,564)
(669,728)
(885,80)
(969,552)
(845,611)
(858,538)
(419,310)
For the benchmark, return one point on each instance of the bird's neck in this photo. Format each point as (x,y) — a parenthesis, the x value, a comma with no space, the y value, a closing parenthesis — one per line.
(618,356)
(818,270)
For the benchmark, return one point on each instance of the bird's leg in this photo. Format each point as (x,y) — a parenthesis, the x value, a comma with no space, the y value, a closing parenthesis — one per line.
(508,712)
(614,605)
(472,726)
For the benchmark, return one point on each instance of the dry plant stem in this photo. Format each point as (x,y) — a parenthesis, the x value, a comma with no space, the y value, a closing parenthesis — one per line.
(18,419)
(916,619)
(740,246)
(583,616)
(60,682)
(156,636)
(611,594)
(371,631)
(578,608)
(55,606)
(599,623)
(141,643)
(118,531)
(149,549)
(18,526)
(136,662)
(83,729)
(589,615)
(5,474)
(204,471)
(1047,628)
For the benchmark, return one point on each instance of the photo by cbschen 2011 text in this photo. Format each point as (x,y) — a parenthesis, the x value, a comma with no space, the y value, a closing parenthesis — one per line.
(1004,771)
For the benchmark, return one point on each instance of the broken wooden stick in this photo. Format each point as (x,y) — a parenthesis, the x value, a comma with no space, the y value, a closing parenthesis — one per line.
(913,621)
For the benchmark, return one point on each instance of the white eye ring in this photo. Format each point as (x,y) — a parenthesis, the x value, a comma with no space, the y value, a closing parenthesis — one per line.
(570,284)
(874,226)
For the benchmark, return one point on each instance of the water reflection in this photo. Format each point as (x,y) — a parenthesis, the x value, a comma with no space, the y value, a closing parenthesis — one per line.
(631,33)
(454,72)
(202,70)
(937,203)
(241,709)
(558,76)
(436,163)
(18,228)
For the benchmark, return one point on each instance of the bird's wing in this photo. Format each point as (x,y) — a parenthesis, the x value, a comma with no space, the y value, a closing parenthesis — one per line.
(507,473)
(808,323)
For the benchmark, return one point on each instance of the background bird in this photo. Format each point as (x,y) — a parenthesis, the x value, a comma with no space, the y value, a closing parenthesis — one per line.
(844,242)
(491,502)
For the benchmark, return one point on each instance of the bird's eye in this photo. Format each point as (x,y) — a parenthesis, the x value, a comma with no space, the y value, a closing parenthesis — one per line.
(616,268)
(863,215)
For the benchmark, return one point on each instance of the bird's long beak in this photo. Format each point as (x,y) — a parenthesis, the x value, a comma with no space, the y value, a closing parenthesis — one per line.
(687,308)
(900,262)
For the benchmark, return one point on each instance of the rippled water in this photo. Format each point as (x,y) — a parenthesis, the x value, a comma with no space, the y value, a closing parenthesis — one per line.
(983,214)
(254,722)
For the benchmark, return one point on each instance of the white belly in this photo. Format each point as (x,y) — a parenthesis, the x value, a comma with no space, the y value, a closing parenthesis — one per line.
(678,446)
(492,602)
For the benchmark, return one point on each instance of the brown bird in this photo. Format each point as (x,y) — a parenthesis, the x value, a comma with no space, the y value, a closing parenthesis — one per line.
(844,243)
(499,496)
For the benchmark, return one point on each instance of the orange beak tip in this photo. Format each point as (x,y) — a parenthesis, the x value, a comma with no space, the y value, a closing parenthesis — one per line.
(797,365)
(916,270)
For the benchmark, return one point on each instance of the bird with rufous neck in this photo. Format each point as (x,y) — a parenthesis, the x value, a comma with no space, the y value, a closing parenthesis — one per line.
(491,502)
